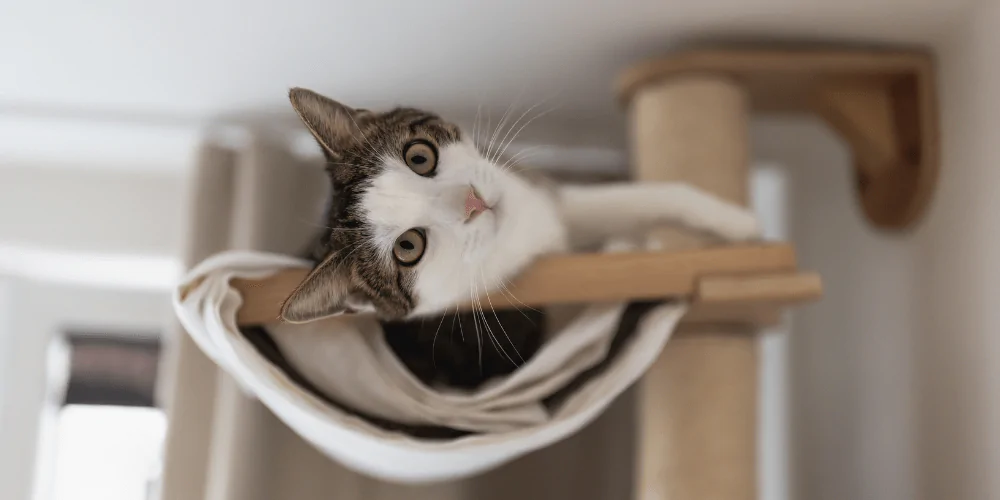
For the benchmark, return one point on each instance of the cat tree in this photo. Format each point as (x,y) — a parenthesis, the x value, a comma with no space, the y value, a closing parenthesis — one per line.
(688,121)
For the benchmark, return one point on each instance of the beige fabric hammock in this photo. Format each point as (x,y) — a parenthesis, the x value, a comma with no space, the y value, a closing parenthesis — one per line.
(573,377)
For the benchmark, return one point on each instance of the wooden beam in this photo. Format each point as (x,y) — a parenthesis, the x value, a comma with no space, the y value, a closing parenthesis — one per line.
(763,288)
(578,278)
(757,300)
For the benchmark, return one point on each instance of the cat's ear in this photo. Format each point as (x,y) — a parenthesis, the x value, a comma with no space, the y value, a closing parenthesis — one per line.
(325,292)
(329,121)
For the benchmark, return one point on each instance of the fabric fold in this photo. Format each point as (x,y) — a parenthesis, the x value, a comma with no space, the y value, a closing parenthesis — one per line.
(349,362)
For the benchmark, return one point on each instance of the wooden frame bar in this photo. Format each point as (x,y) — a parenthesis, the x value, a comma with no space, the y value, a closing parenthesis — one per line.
(725,283)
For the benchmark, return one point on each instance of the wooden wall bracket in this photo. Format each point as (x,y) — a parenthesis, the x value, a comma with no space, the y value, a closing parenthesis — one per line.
(883,103)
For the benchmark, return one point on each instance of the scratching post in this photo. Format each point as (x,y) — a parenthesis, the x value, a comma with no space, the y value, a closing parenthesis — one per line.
(698,402)
(688,115)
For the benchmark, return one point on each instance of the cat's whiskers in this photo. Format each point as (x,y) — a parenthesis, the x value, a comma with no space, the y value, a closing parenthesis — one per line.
(529,122)
(489,144)
(496,131)
(461,330)
(476,126)
(509,129)
(343,260)
(485,333)
(488,123)
(475,323)
(503,120)
(486,325)
(506,291)
(434,340)
(478,309)
(367,143)
(514,161)
(502,329)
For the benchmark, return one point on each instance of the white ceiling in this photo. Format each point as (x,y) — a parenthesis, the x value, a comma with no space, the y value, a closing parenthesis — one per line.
(191,60)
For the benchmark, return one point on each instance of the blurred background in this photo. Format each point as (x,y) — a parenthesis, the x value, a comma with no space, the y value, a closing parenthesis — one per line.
(887,389)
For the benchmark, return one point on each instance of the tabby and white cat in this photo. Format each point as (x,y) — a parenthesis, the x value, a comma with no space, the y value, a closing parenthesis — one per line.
(421,219)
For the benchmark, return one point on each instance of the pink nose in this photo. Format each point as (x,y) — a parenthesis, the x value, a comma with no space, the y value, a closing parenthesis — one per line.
(474,204)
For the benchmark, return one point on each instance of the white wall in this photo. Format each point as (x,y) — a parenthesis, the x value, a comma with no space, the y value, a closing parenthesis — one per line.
(91,210)
(895,375)
(850,372)
(958,277)
(6,334)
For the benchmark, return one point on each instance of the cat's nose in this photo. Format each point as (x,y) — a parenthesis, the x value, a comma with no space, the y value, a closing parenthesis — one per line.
(474,204)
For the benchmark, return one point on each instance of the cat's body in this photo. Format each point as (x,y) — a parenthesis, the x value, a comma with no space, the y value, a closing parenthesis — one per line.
(421,219)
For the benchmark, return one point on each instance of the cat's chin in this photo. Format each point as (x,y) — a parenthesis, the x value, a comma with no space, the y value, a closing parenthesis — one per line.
(459,296)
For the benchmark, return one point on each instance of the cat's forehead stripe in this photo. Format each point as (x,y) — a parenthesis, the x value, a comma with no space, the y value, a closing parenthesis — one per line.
(418,122)
(351,232)
(415,121)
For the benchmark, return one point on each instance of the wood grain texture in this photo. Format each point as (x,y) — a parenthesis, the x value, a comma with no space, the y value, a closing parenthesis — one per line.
(576,278)
(762,288)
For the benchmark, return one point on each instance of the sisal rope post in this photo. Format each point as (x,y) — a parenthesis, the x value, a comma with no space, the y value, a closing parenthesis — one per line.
(697,404)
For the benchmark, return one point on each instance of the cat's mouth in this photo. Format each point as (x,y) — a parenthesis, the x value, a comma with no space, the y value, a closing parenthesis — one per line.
(474,204)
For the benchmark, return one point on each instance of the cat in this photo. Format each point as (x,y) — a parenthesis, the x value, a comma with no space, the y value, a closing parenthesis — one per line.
(421,219)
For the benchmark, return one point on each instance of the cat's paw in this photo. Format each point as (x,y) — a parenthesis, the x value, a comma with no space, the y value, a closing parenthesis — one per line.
(621,245)
(717,216)
(745,229)
(734,224)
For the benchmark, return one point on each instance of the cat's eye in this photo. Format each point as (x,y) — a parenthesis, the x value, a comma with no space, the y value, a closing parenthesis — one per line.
(421,156)
(409,247)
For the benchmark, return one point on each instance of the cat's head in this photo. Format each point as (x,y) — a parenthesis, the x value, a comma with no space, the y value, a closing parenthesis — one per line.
(419,218)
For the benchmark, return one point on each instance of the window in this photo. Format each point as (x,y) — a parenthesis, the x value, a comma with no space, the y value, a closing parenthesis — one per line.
(108,432)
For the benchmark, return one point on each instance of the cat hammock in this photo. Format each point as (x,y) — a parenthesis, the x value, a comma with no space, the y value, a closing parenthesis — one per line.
(688,116)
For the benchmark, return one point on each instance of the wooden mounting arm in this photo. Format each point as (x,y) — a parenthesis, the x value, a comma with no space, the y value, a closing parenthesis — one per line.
(883,103)
(728,284)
